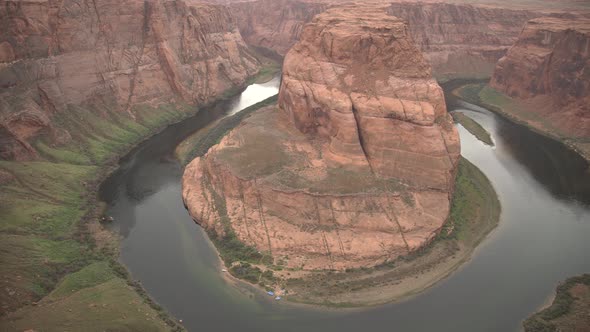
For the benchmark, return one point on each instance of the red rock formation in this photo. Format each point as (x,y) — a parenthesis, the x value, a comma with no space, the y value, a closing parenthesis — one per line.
(355,81)
(274,24)
(55,54)
(550,63)
(458,40)
(356,165)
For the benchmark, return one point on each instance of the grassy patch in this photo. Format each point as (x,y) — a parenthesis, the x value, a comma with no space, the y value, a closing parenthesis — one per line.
(47,252)
(475,206)
(473,127)
(91,275)
(109,305)
(252,274)
(238,256)
(233,250)
(565,310)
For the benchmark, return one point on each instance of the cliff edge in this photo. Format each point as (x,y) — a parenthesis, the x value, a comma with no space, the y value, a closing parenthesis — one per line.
(59,57)
(549,68)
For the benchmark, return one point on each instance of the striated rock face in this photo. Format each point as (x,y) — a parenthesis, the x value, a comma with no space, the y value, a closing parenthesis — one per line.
(457,39)
(274,24)
(55,55)
(551,62)
(356,164)
(360,82)
(462,40)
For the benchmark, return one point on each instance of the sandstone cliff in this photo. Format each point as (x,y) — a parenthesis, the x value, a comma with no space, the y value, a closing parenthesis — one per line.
(457,39)
(354,167)
(460,39)
(549,66)
(274,24)
(59,55)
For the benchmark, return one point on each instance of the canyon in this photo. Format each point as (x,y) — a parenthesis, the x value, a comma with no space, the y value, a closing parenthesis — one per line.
(459,40)
(353,168)
(548,69)
(80,84)
(108,57)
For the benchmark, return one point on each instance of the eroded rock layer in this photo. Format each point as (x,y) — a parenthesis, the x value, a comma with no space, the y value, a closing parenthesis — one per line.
(55,55)
(355,165)
(457,39)
(274,24)
(550,63)
(461,39)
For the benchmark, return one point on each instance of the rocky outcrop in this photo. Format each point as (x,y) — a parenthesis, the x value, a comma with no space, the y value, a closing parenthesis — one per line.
(549,65)
(358,80)
(58,55)
(354,167)
(459,39)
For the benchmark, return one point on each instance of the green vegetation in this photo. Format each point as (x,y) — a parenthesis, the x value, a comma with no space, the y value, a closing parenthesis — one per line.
(568,310)
(234,253)
(475,209)
(198,144)
(271,64)
(48,247)
(244,261)
(253,274)
(92,299)
(53,248)
(517,111)
(473,127)
(93,274)
(230,248)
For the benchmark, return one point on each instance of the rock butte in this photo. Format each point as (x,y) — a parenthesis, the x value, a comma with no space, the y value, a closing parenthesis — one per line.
(56,56)
(355,166)
(550,66)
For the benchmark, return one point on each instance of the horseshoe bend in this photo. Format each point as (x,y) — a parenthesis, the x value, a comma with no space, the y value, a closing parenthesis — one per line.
(354,166)
(294,165)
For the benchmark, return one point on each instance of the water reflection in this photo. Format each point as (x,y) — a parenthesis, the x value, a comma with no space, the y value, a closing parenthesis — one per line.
(152,166)
(564,173)
(542,239)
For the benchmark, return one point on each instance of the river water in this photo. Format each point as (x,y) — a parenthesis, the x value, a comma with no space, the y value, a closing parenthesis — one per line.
(542,238)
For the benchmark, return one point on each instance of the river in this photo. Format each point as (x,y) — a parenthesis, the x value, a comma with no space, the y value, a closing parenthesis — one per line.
(542,238)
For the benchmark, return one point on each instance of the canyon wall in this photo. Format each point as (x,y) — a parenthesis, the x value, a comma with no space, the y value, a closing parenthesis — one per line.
(275,24)
(354,167)
(462,40)
(549,65)
(458,40)
(59,55)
